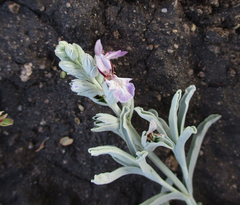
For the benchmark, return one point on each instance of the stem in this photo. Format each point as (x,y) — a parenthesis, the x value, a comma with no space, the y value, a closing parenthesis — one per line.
(152,156)
(115,108)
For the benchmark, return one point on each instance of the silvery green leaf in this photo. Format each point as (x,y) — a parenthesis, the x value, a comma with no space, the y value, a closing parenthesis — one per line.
(79,51)
(89,65)
(173,116)
(129,104)
(183,106)
(130,135)
(105,122)
(149,172)
(117,154)
(100,78)
(164,197)
(84,88)
(179,152)
(71,52)
(72,69)
(149,116)
(106,118)
(60,50)
(108,177)
(159,141)
(197,142)
(109,97)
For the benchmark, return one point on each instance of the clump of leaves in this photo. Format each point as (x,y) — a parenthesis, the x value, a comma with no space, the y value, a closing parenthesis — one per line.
(5,121)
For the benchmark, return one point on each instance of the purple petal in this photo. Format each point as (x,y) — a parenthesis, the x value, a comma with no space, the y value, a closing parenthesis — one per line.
(103,64)
(123,90)
(115,54)
(98,48)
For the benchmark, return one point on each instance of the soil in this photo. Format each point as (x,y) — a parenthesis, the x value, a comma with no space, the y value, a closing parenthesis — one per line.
(192,42)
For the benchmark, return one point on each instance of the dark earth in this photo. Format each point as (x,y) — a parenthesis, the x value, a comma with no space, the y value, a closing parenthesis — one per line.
(192,42)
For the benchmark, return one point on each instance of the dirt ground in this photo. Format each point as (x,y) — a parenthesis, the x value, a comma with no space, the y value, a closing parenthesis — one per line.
(170,44)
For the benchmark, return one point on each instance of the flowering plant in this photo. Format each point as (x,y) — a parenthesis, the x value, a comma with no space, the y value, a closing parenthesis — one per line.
(4,121)
(96,80)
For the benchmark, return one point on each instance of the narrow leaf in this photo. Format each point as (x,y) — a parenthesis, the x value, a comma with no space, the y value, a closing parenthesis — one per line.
(117,154)
(183,106)
(108,177)
(173,116)
(197,142)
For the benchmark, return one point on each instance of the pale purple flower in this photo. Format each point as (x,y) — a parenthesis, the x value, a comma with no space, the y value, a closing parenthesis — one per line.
(123,90)
(103,61)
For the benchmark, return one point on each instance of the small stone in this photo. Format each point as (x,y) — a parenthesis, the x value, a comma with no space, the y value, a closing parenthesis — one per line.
(26,72)
(68,5)
(170,51)
(164,10)
(19,108)
(14,8)
(176,46)
(65,141)
(81,108)
(77,120)
(174,31)
(193,28)
(63,74)
(30,145)
(46,101)
(43,122)
(116,34)
(201,74)
(149,47)
(199,11)
(214,2)
(65,161)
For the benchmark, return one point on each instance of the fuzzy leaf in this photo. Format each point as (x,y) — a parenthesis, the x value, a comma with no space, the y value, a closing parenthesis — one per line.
(197,142)
(108,177)
(72,69)
(117,154)
(183,106)
(88,66)
(173,116)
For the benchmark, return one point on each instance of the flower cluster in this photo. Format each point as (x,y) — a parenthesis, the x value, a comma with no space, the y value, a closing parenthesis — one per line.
(93,73)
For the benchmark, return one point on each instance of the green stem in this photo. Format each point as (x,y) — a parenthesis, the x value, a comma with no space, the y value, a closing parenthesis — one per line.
(152,156)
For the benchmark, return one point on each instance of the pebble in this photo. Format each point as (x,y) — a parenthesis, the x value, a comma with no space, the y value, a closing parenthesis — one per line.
(170,51)
(164,10)
(19,108)
(199,11)
(30,146)
(201,74)
(176,46)
(14,8)
(149,47)
(68,5)
(193,28)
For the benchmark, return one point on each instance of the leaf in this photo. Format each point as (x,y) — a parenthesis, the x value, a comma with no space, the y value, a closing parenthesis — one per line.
(117,154)
(6,122)
(197,142)
(42,145)
(173,116)
(84,88)
(108,177)
(65,141)
(71,52)
(183,106)
(88,66)
(109,97)
(72,69)
(149,116)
